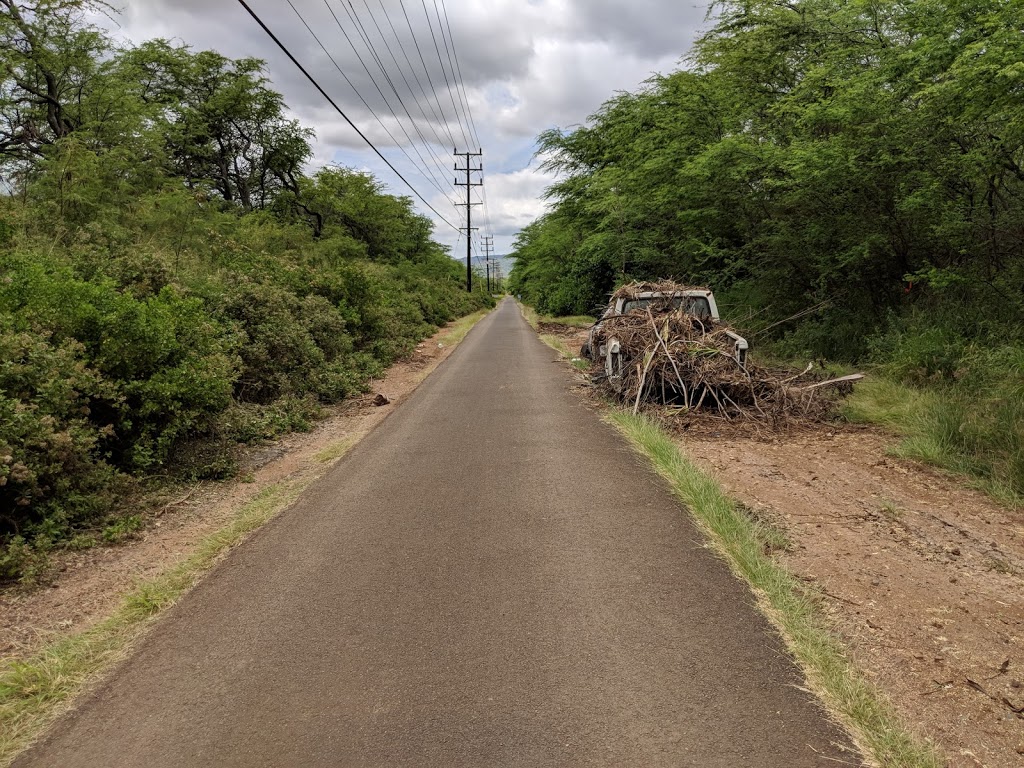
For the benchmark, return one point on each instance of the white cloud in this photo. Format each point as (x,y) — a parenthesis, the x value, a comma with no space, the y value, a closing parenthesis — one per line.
(526,66)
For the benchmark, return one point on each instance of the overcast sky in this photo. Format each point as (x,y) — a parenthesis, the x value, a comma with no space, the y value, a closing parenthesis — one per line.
(526,65)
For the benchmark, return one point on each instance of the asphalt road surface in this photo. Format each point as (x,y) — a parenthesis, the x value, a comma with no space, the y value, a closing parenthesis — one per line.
(491,578)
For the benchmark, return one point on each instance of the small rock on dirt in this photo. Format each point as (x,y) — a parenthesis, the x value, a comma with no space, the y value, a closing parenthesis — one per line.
(381,399)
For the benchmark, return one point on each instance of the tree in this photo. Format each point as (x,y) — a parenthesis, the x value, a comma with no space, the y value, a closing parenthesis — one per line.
(222,126)
(50,63)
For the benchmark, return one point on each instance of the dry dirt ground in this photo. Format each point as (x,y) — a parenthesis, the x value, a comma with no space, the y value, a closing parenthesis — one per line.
(922,576)
(89,585)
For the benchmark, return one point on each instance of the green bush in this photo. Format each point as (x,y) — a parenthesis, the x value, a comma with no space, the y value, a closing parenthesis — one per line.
(168,365)
(53,473)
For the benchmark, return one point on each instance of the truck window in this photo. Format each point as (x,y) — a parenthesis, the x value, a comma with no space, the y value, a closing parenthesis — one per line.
(695,305)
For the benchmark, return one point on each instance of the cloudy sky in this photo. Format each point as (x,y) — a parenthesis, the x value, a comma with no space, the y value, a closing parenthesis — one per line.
(525,66)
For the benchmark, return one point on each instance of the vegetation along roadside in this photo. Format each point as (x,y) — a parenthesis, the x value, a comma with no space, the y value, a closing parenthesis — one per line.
(36,686)
(848,178)
(173,282)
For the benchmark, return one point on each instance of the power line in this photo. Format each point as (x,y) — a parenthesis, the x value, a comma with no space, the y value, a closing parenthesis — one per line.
(444,72)
(425,167)
(426,70)
(338,109)
(398,66)
(459,83)
(412,68)
(365,37)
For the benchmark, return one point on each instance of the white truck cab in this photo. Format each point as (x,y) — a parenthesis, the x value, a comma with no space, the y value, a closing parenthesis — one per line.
(699,302)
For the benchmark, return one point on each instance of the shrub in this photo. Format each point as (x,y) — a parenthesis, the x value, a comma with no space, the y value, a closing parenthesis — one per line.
(52,468)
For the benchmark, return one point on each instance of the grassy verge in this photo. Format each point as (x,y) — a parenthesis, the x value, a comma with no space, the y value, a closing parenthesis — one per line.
(553,341)
(574,321)
(458,330)
(975,434)
(743,542)
(559,346)
(35,691)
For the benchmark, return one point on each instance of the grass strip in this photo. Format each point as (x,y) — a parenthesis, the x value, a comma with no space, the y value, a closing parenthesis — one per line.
(743,542)
(559,346)
(977,436)
(458,329)
(36,691)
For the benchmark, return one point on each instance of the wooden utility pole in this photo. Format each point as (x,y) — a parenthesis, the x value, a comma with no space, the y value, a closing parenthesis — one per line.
(469,170)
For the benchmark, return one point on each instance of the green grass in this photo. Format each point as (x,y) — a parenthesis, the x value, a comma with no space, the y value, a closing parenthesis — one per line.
(457,331)
(335,451)
(975,434)
(34,692)
(559,346)
(554,342)
(574,321)
(745,543)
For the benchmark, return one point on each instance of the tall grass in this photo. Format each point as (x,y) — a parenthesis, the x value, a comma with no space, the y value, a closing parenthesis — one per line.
(968,419)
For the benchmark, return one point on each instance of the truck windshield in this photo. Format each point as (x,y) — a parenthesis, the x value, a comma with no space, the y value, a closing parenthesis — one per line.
(694,305)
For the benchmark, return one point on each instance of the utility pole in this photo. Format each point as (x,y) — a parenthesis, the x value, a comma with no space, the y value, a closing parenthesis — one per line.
(488,250)
(469,170)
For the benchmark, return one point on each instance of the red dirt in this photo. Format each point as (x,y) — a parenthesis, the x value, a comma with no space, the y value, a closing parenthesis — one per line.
(922,576)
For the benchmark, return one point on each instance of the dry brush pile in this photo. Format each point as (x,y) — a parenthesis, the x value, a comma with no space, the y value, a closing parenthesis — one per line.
(669,355)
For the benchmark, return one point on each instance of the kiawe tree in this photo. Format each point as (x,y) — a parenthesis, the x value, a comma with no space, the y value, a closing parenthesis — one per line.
(223,128)
(51,66)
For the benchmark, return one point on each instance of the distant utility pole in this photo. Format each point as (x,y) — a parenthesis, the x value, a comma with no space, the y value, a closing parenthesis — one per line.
(488,250)
(469,170)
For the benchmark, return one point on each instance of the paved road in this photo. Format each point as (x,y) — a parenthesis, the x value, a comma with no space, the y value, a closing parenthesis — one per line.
(491,578)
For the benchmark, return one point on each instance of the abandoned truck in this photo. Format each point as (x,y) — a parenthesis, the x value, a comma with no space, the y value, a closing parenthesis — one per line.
(699,303)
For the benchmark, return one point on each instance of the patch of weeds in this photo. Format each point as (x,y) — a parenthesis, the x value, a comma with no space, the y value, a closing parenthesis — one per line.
(559,346)
(80,542)
(458,330)
(977,432)
(28,564)
(773,538)
(124,529)
(335,451)
(891,512)
(999,565)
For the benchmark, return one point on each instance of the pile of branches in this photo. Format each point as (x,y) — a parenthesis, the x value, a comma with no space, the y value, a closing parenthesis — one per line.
(669,355)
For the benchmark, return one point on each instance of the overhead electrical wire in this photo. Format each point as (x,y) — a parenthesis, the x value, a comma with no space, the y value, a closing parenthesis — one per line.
(339,110)
(459,85)
(458,66)
(437,49)
(428,174)
(368,43)
(426,69)
(457,92)
(412,68)
(433,127)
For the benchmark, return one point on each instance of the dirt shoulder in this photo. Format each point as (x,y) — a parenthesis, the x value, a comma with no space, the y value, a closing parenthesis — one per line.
(922,577)
(89,585)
